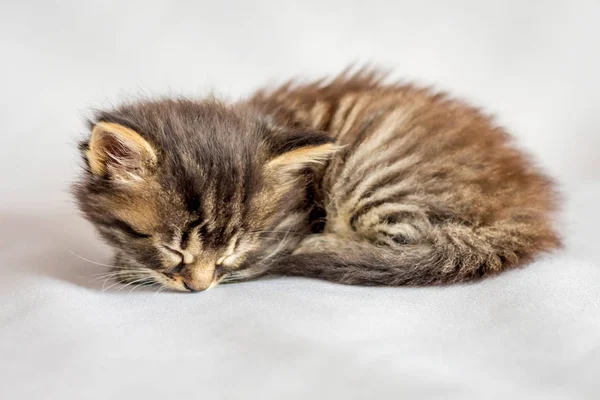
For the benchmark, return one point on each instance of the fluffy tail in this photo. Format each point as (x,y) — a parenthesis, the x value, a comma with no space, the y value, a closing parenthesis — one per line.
(448,254)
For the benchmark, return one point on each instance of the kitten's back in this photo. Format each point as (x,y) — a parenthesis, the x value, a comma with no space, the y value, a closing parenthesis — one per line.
(426,189)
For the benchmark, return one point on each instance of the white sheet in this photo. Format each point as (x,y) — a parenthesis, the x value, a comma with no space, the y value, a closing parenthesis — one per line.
(528,334)
(532,333)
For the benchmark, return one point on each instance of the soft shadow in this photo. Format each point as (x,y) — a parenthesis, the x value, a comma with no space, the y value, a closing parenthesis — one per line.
(36,245)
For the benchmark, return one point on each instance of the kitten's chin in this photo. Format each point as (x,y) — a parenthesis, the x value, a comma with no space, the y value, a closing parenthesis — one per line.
(130,272)
(173,284)
(180,285)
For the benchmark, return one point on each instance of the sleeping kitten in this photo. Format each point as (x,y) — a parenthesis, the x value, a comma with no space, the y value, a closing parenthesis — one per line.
(349,180)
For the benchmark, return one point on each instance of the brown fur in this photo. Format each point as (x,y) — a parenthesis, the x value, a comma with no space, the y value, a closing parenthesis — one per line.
(352,180)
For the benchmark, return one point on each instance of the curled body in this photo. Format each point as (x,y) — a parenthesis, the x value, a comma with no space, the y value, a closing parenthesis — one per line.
(351,180)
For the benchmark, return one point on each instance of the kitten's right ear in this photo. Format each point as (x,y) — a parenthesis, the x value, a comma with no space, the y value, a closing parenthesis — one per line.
(119,152)
(296,150)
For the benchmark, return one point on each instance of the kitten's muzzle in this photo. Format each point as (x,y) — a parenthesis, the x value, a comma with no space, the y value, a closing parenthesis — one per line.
(189,288)
(192,285)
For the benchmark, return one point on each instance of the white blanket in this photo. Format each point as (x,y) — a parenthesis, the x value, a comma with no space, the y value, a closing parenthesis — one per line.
(532,333)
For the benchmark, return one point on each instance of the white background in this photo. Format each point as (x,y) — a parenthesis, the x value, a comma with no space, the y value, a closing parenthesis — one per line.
(532,333)
(534,64)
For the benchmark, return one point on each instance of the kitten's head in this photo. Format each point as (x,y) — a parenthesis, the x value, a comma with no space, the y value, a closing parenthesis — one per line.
(188,191)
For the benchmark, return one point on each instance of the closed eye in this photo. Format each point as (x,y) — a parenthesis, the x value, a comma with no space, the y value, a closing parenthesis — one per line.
(175,253)
(128,229)
(231,251)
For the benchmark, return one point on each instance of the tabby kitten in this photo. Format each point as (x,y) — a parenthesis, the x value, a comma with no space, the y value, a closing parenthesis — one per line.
(350,180)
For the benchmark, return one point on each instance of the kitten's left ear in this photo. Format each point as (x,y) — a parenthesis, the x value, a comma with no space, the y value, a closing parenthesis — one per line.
(297,150)
(119,152)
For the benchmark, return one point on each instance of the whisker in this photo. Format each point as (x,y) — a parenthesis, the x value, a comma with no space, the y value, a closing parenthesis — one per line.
(114,284)
(136,275)
(121,275)
(104,275)
(150,282)
(113,272)
(160,288)
(91,261)
(105,279)
(142,279)
(144,282)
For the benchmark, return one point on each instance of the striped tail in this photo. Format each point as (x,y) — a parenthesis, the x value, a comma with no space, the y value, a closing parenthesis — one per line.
(449,254)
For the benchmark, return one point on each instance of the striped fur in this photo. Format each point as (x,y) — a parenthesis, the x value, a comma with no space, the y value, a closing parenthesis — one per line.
(350,180)
(425,191)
